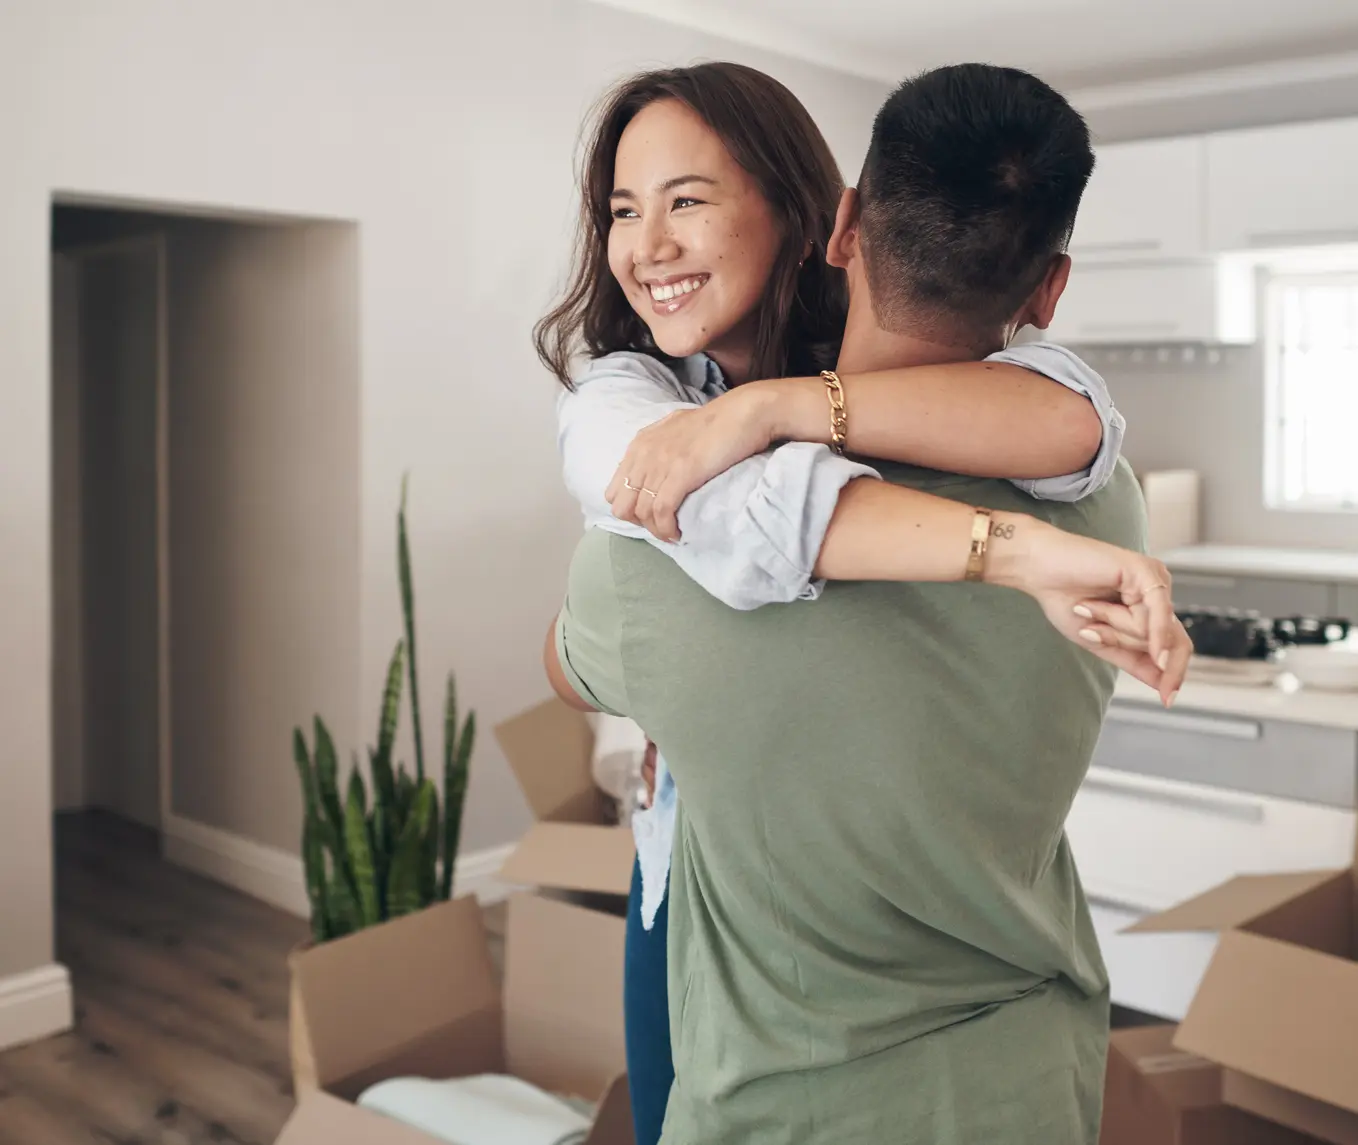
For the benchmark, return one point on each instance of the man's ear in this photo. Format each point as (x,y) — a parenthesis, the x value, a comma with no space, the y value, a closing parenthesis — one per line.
(843,246)
(1040,308)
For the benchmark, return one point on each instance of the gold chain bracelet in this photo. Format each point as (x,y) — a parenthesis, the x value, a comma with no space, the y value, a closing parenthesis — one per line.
(839,415)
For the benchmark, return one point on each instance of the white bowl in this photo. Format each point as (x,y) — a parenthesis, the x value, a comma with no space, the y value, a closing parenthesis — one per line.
(1327,667)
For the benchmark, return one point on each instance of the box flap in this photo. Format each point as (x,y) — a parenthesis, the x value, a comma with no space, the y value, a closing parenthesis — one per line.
(1281,1013)
(548,748)
(390,996)
(563,996)
(573,857)
(1180,1079)
(1316,1119)
(613,1119)
(324,1120)
(1232,903)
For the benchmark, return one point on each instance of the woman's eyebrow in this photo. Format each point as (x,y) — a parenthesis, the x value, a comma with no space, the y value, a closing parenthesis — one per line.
(668,185)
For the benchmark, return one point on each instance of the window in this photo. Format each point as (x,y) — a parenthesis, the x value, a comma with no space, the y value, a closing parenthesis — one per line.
(1312,377)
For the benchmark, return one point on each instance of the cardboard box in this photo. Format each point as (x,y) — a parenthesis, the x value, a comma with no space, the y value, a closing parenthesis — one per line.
(1278,1005)
(1159,1095)
(418,996)
(574,845)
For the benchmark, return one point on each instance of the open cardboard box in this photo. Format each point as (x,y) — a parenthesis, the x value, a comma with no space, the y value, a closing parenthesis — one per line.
(418,996)
(1278,1006)
(573,846)
(1159,1095)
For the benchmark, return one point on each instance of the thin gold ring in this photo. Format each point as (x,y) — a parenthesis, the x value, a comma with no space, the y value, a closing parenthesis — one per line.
(637,488)
(1154,588)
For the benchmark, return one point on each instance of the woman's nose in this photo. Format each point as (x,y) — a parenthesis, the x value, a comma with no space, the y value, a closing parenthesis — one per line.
(658,243)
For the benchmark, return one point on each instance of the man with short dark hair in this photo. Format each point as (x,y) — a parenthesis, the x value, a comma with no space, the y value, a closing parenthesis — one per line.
(969,193)
(877,932)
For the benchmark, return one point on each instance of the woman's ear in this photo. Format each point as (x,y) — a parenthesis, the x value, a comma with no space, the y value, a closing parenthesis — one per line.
(842,248)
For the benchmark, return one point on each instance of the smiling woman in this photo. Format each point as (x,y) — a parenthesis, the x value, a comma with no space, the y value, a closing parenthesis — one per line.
(712,178)
(699,248)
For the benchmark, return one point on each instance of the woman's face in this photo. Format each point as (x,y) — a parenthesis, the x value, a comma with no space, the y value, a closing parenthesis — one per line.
(693,242)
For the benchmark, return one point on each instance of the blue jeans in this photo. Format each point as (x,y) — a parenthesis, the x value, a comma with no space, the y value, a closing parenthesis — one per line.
(645,1003)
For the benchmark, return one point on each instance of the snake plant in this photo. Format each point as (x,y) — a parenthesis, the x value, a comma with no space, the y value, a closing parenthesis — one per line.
(370,861)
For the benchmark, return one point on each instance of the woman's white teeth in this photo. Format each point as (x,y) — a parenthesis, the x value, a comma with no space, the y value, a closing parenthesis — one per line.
(674,289)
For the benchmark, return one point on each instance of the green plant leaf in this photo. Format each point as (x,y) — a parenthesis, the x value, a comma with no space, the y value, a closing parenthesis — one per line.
(408,612)
(327,784)
(341,909)
(313,861)
(359,848)
(403,887)
(313,854)
(383,778)
(457,752)
(405,796)
(383,841)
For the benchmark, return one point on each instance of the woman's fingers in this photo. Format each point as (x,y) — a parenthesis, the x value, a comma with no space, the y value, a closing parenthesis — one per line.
(1180,647)
(1126,628)
(1137,664)
(1126,619)
(1106,636)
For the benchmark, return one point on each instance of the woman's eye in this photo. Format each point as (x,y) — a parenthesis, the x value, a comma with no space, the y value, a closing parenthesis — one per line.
(624,213)
(685,201)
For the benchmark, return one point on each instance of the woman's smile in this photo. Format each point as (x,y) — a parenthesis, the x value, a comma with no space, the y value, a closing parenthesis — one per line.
(672,293)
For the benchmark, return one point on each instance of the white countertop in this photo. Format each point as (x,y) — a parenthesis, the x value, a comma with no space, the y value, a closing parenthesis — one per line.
(1284,564)
(1282,701)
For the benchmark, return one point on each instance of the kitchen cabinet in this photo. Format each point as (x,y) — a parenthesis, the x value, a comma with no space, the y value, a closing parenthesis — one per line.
(1346,602)
(1147,843)
(1271,597)
(1233,752)
(1144,202)
(1198,302)
(1287,186)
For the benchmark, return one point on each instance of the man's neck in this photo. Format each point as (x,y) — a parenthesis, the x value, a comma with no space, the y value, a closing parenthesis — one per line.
(867,347)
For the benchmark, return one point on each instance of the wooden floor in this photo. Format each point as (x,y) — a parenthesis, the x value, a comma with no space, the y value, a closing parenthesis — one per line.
(181,990)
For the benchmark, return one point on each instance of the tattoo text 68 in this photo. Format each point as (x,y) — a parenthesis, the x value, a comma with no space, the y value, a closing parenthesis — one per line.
(1004,532)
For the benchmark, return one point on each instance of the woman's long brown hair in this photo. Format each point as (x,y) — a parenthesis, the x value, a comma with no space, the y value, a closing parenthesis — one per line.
(771,135)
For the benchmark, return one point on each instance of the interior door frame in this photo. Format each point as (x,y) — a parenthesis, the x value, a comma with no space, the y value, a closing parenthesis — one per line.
(154,243)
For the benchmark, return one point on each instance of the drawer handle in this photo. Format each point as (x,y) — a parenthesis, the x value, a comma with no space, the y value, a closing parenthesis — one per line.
(1222,806)
(1197,580)
(1166,327)
(1288,238)
(1187,722)
(1124,245)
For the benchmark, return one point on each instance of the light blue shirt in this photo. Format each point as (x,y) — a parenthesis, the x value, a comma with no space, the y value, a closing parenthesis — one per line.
(751,535)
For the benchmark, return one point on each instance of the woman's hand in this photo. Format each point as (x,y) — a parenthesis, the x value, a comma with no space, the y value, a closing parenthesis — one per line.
(682,452)
(1114,602)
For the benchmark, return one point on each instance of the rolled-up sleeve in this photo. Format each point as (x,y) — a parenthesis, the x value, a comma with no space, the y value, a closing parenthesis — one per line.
(1060,365)
(751,535)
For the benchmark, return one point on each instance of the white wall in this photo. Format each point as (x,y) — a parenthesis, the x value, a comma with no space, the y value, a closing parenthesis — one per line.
(445,131)
(264,497)
(1211,418)
(120,350)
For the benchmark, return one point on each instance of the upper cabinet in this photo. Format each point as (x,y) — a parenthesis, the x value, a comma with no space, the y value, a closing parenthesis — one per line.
(1172,302)
(1145,202)
(1289,186)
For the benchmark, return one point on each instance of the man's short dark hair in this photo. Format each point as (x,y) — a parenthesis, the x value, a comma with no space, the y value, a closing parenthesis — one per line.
(969,191)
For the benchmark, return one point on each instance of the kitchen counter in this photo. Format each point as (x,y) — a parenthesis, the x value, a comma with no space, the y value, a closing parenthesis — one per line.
(1286,564)
(1284,701)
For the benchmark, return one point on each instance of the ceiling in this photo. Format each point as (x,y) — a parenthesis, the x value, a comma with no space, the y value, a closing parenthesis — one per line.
(1073,44)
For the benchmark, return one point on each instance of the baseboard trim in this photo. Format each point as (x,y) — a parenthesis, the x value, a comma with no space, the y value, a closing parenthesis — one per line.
(35,1004)
(276,877)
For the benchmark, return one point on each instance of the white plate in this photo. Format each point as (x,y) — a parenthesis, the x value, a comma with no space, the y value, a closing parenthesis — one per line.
(1219,670)
(1327,668)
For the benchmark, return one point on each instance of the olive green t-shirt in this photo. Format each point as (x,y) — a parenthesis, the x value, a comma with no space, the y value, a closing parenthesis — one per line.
(877,932)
